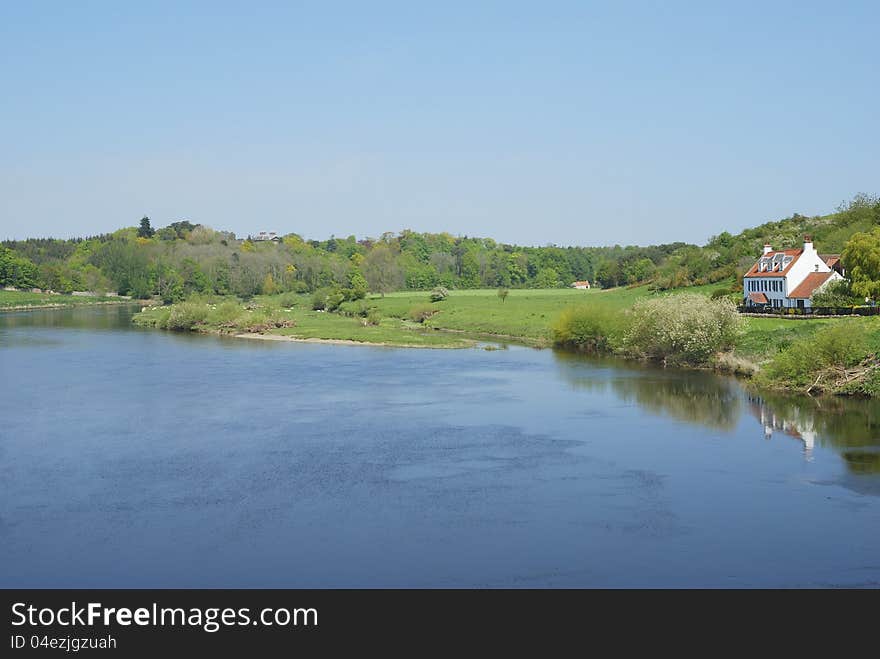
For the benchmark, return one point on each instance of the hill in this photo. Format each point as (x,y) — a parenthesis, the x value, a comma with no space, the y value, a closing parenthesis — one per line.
(182,258)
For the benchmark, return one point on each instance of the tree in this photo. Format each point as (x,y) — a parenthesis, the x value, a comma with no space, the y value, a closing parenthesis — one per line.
(503,293)
(169,284)
(359,286)
(641,270)
(381,270)
(836,294)
(145,230)
(269,287)
(862,258)
(547,278)
(608,273)
(15,270)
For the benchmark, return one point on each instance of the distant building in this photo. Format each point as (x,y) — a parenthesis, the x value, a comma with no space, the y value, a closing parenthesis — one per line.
(790,277)
(581,284)
(267,235)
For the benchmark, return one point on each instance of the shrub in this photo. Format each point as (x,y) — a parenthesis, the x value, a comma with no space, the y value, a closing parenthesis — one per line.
(288,300)
(153,317)
(358,290)
(360,309)
(186,316)
(439,294)
(839,346)
(319,299)
(224,314)
(421,312)
(263,320)
(372,317)
(335,298)
(586,328)
(836,294)
(687,328)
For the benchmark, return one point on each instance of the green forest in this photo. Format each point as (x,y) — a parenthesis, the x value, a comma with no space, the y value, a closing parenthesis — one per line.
(182,258)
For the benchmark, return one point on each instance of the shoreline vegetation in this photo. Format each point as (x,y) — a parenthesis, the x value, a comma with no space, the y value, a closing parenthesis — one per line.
(26,300)
(691,328)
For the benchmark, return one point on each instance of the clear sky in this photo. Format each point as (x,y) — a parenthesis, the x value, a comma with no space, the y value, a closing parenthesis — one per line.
(539,122)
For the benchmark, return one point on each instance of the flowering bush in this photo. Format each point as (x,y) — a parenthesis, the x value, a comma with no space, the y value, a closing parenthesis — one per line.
(687,328)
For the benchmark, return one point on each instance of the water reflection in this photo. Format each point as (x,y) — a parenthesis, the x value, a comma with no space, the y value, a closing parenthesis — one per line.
(850,427)
(691,396)
(105,317)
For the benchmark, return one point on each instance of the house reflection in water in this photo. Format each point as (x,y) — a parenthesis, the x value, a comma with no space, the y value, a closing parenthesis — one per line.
(800,427)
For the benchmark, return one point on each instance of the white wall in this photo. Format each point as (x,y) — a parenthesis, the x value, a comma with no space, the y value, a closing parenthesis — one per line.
(803,266)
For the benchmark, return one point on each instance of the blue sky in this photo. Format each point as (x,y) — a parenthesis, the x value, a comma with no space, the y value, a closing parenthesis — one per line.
(552,122)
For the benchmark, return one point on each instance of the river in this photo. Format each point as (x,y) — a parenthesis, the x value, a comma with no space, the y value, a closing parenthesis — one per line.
(142,458)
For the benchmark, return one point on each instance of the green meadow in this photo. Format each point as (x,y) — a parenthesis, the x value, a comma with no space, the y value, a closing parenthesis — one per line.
(23,300)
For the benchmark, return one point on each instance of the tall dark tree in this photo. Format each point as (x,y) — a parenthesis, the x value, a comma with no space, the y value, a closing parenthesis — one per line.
(145,230)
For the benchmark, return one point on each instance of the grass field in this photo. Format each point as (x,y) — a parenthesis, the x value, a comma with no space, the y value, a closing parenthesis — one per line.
(525,316)
(21,299)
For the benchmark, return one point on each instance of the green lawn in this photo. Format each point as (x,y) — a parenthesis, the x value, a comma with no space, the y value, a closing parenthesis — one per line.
(526,314)
(23,299)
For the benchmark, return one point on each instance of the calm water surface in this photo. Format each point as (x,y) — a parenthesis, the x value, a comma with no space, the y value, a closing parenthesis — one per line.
(138,458)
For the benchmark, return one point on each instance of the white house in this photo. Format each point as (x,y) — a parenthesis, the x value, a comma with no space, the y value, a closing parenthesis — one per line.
(581,284)
(789,277)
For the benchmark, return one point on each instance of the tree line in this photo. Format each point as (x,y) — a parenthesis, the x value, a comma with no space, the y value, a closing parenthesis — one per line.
(183,258)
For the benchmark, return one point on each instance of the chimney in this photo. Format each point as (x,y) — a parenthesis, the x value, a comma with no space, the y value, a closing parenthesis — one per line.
(808,244)
(767,248)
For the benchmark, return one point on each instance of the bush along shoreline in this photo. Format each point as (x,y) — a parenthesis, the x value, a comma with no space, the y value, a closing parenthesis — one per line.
(687,330)
(684,330)
(693,331)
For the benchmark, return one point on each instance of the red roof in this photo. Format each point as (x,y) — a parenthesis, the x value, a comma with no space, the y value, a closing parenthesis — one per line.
(810,283)
(754,272)
(830,259)
(758,298)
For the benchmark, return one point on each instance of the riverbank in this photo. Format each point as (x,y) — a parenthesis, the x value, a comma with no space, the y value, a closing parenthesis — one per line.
(22,300)
(293,319)
(762,348)
(346,342)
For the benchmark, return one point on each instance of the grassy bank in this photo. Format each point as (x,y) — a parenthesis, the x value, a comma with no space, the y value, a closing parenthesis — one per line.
(291,316)
(13,300)
(525,316)
(781,353)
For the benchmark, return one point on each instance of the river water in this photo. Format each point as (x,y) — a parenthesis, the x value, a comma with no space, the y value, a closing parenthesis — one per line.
(141,458)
